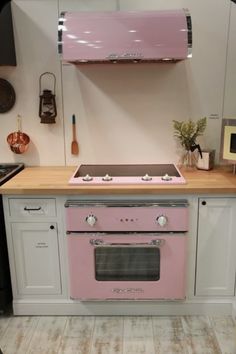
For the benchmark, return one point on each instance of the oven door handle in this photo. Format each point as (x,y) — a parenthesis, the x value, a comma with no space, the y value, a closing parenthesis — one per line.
(152,243)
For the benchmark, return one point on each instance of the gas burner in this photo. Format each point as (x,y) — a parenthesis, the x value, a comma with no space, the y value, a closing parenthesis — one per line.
(87,178)
(107,178)
(146,177)
(166,177)
(127,174)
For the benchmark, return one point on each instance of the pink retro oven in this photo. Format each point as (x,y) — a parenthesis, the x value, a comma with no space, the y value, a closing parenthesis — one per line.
(127,249)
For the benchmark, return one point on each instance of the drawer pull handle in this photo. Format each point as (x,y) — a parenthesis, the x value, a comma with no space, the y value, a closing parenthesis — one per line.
(52,227)
(32,209)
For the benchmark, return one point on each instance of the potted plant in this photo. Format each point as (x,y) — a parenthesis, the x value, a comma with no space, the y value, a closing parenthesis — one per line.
(187,132)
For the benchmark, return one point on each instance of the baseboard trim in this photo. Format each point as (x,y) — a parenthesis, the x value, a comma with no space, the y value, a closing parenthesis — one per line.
(114,308)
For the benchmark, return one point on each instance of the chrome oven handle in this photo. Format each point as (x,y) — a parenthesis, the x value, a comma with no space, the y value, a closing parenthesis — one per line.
(152,243)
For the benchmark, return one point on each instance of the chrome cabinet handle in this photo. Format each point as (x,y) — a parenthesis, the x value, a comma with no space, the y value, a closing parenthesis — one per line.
(152,243)
(32,209)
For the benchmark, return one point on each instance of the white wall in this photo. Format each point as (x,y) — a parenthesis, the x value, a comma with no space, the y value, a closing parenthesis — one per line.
(230,82)
(124,113)
(35,26)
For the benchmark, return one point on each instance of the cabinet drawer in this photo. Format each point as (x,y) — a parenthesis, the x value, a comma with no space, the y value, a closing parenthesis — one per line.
(39,207)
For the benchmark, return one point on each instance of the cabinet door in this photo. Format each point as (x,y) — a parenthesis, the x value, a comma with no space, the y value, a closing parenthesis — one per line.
(36,258)
(216,247)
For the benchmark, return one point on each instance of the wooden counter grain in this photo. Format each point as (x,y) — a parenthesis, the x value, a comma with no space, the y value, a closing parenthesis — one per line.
(54,180)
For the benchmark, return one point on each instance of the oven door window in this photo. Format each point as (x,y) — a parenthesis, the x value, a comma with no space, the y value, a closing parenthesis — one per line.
(127,263)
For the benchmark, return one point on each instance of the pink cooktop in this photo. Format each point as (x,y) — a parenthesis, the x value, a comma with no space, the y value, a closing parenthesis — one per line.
(127,174)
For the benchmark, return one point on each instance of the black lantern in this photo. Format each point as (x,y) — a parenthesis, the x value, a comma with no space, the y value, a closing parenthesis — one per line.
(47,104)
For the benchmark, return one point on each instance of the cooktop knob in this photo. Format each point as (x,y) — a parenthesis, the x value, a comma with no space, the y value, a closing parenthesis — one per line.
(162,220)
(146,177)
(87,178)
(91,220)
(166,177)
(107,178)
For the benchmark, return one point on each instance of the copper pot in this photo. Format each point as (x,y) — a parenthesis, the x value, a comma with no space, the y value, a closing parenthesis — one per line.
(18,141)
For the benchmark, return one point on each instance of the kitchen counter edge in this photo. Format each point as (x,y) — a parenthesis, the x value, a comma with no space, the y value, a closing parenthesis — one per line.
(54,180)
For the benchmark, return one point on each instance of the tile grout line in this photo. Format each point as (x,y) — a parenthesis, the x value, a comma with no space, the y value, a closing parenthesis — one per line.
(213,331)
(92,334)
(35,328)
(3,334)
(8,319)
(62,335)
(185,334)
(154,346)
(215,335)
(123,331)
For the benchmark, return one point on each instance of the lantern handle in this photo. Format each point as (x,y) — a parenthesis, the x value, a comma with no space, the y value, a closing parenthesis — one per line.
(40,80)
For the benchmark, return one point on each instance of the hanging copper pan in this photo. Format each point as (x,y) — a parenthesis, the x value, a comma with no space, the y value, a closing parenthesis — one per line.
(18,141)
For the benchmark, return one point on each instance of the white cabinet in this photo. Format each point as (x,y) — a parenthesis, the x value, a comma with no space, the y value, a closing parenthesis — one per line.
(35,247)
(216,247)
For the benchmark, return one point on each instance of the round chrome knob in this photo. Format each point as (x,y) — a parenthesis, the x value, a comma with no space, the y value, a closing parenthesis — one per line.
(146,177)
(87,178)
(91,220)
(166,177)
(107,178)
(162,220)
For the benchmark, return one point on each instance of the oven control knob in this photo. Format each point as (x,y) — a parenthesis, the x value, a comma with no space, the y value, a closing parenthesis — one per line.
(91,220)
(162,220)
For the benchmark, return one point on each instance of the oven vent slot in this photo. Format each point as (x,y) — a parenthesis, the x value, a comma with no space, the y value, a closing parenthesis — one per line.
(127,203)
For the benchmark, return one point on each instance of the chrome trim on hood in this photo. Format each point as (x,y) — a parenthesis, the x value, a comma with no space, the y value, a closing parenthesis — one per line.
(60,30)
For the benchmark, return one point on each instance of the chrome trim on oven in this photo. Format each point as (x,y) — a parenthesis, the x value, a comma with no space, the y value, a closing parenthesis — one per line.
(127,233)
(127,203)
(127,299)
(152,243)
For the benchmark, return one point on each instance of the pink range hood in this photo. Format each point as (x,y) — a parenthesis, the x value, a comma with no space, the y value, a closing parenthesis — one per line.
(120,37)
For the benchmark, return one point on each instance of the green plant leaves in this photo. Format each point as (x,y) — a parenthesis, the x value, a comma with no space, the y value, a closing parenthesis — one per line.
(188,131)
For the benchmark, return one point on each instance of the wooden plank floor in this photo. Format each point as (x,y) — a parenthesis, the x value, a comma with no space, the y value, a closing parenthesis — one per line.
(117,335)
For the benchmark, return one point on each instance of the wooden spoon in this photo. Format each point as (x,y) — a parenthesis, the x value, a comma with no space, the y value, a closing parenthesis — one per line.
(74,143)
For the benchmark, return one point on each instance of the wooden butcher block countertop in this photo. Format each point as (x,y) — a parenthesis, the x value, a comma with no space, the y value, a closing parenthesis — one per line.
(54,180)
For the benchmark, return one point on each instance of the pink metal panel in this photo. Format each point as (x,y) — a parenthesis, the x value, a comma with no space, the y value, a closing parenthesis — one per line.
(126,218)
(103,36)
(83,284)
(127,180)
